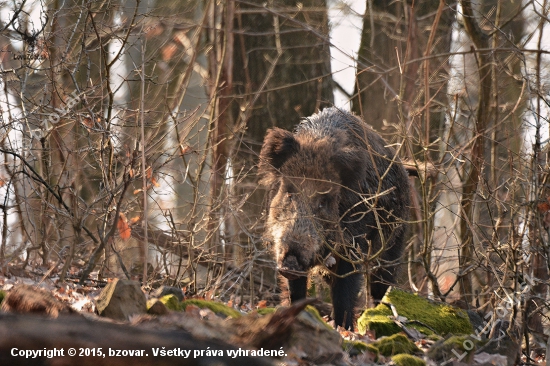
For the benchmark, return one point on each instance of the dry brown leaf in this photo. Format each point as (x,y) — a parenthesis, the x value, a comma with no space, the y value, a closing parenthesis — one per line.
(344,333)
(370,334)
(124,230)
(546,220)
(185,149)
(154,30)
(192,310)
(87,122)
(168,51)
(543,207)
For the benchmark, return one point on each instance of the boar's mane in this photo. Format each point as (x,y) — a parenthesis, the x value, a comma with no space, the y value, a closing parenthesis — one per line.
(349,158)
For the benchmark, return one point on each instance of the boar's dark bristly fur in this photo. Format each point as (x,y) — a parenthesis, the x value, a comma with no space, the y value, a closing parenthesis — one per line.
(338,195)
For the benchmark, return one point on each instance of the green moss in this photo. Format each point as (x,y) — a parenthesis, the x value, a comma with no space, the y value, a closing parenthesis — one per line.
(456,342)
(443,318)
(265,311)
(377,320)
(151,302)
(216,307)
(171,302)
(433,337)
(313,311)
(407,360)
(446,349)
(355,348)
(395,344)
(373,349)
(2,295)
(309,309)
(156,307)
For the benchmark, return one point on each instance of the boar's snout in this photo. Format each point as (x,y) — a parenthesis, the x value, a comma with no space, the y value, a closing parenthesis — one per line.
(291,268)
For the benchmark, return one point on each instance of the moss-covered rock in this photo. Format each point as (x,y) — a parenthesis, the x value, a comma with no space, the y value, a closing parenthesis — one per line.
(171,302)
(377,320)
(395,344)
(265,311)
(313,311)
(404,359)
(458,347)
(442,318)
(310,309)
(216,307)
(355,348)
(168,290)
(156,307)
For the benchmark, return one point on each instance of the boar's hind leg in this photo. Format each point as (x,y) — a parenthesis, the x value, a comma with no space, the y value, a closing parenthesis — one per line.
(297,289)
(344,294)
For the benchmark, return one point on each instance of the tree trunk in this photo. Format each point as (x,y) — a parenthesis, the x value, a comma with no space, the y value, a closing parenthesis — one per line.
(275,70)
(399,87)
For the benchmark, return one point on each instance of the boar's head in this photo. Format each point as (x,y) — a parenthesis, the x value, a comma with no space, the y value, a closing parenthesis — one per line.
(307,175)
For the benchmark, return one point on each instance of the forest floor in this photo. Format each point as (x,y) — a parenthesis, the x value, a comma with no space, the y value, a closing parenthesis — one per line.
(203,334)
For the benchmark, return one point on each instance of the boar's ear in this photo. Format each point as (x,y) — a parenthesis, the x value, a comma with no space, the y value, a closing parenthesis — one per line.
(351,162)
(278,146)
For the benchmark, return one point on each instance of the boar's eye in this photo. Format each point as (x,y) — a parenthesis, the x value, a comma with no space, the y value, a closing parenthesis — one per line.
(290,196)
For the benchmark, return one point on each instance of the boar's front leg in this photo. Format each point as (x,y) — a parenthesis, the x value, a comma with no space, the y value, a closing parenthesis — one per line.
(344,294)
(297,289)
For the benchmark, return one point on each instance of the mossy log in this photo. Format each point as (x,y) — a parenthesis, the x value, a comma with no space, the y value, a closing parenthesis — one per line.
(428,317)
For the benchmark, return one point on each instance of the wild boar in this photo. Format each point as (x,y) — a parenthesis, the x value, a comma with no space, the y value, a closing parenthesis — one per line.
(339,198)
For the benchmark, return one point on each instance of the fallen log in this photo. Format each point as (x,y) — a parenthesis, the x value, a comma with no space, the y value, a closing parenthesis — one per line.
(31,340)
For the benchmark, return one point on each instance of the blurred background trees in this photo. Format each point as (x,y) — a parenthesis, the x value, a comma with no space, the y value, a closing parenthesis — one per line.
(130,133)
